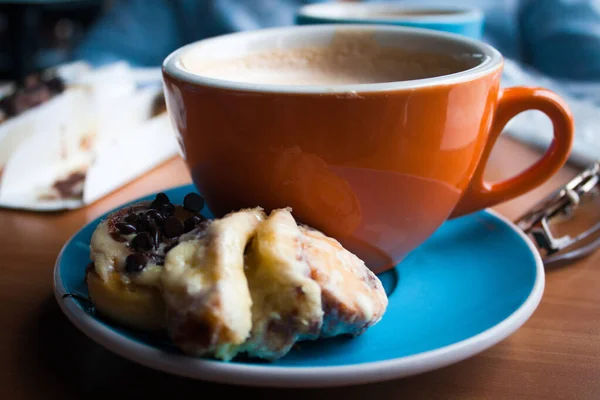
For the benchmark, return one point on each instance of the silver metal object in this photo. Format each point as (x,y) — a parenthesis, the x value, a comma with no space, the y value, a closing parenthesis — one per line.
(562,206)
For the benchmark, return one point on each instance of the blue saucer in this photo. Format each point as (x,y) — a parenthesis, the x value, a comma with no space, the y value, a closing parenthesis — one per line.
(472,284)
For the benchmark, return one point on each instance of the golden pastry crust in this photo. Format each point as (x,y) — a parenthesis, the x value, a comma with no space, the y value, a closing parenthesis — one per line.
(353,297)
(132,298)
(205,288)
(286,301)
(132,305)
(113,294)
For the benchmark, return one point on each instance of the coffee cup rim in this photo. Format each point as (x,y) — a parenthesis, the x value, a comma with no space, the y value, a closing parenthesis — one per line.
(322,11)
(493,61)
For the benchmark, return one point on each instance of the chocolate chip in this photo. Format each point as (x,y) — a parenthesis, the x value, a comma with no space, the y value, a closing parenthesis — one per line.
(132,218)
(155,234)
(173,227)
(125,229)
(135,262)
(191,223)
(142,241)
(193,202)
(160,200)
(167,209)
(188,225)
(156,216)
(143,223)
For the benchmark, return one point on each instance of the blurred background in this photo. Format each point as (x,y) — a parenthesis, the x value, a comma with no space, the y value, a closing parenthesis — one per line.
(560,38)
(35,35)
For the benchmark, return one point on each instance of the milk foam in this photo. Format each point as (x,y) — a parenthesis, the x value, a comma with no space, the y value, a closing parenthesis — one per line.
(347,60)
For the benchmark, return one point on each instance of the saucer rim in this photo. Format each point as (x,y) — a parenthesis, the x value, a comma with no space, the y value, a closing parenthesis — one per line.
(300,377)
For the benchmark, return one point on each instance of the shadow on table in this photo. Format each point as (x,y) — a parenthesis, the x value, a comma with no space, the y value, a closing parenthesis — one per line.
(63,363)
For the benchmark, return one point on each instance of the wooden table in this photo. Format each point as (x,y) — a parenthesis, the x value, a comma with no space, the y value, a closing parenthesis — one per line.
(555,355)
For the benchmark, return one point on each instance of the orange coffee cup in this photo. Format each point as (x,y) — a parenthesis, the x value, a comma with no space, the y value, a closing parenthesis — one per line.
(379,166)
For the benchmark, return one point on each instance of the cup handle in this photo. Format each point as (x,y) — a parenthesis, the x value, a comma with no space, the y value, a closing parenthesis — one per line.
(481,194)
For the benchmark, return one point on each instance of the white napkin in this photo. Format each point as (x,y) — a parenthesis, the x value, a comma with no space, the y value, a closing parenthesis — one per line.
(99,133)
(534,128)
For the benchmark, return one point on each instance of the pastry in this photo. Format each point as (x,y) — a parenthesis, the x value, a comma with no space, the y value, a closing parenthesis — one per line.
(128,249)
(205,288)
(353,298)
(286,301)
(245,284)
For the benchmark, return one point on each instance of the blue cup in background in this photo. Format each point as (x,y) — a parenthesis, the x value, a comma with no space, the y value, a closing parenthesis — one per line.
(459,20)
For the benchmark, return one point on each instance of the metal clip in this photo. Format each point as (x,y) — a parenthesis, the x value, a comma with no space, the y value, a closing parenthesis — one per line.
(563,202)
